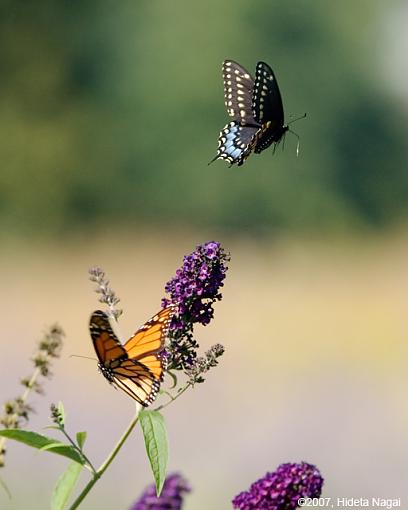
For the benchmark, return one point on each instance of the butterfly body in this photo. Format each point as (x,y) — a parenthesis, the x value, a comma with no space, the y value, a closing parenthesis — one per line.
(269,135)
(137,367)
(257,111)
(106,370)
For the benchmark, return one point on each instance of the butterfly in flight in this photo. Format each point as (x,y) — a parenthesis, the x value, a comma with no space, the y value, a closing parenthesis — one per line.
(256,109)
(137,367)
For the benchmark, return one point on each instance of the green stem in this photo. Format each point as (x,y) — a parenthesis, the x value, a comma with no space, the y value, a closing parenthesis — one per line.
(106,464)
(173,398)
(79,450)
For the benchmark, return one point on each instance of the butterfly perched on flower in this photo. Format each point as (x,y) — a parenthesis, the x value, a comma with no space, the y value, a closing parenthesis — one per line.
(136,367)
(256,109)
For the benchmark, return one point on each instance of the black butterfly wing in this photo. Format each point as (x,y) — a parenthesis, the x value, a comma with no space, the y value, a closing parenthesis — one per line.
(266,100)
(235,139)
(268,108)
(235,143)
(238,92)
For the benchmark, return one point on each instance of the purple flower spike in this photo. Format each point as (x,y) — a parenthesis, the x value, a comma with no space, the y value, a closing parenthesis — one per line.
(197,284)
(282,489)
(171,497)
(193,290)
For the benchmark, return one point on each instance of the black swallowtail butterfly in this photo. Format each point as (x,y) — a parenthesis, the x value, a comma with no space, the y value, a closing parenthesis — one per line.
(257,111)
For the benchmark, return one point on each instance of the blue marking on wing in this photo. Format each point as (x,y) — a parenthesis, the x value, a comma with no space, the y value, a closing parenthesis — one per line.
(235,143)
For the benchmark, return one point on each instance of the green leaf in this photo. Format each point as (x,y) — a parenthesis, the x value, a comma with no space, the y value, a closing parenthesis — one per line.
(155,436)
(42,442)
(61,411)
(81,438)
(65,485)
(50,446)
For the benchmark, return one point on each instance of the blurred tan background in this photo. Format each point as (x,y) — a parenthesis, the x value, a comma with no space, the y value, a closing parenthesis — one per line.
(109,114)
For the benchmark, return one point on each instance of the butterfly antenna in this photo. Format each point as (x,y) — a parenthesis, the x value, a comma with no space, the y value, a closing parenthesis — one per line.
(85,357)
(297,118)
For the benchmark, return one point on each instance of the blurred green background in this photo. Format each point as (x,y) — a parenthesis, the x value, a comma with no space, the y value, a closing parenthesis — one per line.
(110,112)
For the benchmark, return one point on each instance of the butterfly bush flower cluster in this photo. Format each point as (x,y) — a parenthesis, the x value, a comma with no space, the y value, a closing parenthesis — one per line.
(202,364)
(107,295)
(282,489)
(193,291)
(171,497)
(17,411)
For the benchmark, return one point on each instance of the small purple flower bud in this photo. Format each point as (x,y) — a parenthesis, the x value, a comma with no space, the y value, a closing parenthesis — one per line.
(171,497)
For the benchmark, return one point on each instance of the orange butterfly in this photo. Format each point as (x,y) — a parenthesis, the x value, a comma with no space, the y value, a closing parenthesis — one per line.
(136,367)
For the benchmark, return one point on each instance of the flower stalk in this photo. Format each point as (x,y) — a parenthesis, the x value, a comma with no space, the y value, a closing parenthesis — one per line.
(110,458)
(17,411)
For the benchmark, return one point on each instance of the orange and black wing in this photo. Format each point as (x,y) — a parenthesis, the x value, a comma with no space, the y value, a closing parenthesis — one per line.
(137,367)
(106,343)
(137,380)
(148,341)
(141,374)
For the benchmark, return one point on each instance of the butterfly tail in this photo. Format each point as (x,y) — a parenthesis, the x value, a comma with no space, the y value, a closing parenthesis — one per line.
(213,159)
